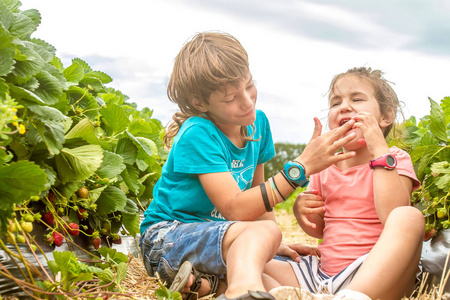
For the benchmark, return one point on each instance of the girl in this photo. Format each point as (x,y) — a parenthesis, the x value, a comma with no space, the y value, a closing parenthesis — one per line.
(360,207)
(214,177)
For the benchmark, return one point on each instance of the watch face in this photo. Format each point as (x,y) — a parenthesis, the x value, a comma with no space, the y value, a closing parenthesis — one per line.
(294,172)
(390,160)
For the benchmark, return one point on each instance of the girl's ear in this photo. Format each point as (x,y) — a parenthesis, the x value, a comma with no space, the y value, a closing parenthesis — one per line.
(198,105)
(387,119)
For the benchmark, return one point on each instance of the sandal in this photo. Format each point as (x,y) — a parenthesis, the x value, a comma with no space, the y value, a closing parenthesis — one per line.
(251,295)
(182,277)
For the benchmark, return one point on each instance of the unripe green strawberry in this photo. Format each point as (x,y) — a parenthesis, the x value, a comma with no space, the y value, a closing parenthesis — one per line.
(441,213)
(10,238)
(20,238)
(12,227)
(27,226)
(28,218)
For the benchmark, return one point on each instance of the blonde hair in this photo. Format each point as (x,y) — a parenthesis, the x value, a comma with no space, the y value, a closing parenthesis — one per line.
(384,93)
(205,64)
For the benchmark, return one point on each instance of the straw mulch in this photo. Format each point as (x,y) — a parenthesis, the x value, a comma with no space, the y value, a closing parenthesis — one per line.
(142,287)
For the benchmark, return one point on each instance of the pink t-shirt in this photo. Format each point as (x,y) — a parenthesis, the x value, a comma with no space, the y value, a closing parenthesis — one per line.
(352,226)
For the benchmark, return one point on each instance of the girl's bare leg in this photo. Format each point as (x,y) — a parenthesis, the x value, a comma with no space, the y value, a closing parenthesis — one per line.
(390,268)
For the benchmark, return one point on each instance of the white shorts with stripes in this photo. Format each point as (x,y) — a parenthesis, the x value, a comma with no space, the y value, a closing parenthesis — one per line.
(314,280)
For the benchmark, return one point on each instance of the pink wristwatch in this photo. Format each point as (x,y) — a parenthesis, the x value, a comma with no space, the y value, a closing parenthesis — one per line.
(387,161)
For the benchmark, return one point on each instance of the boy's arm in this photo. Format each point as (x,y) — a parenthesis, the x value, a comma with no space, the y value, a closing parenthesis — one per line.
(258,178)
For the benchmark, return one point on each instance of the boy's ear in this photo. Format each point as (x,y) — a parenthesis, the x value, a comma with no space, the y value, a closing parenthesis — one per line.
(198,105)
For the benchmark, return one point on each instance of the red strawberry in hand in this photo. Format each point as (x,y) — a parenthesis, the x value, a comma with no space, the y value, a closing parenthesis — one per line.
(96,242)
(73,229)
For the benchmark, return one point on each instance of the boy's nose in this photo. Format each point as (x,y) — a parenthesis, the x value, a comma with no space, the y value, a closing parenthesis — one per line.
(247,100)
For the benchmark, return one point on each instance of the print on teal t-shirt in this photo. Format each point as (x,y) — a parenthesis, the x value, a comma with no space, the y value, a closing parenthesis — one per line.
(200,147)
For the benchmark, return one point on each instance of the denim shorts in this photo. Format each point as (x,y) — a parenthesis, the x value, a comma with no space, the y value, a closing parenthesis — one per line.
(166,245)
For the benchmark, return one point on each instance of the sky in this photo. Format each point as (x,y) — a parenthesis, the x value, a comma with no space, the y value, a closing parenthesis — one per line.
(295,48)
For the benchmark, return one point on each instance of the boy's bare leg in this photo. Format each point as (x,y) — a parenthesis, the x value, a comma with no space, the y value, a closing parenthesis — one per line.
(390,268)
(246,248)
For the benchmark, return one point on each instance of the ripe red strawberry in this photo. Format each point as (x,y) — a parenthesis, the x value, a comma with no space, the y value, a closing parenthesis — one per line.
(57,239)
(73,229)
(82,214)
(117,240)
(96,242)
(49,218)
(51,197)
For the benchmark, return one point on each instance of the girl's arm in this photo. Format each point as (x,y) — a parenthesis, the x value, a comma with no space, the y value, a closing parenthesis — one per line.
(390,190)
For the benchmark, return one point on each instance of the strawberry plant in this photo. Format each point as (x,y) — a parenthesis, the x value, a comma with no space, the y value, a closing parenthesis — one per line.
(428,143)
(75,156)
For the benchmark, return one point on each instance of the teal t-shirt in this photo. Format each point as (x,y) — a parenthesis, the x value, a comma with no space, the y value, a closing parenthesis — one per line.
(199,148)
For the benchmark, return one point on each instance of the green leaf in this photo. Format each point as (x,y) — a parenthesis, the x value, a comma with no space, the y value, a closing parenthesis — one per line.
(440,167)
(83,64)
(111,200)
(131,178)
(46,112)
(106,276)
(424,154)
(112,165)
(85,130)
(438,126)
(49,89)
(34,15)
(19,93)
(22,26)
(130,208)
(73,73)
(19,181)
(30,62)
(127,150)
(115,117)
(7,51)
(103,77)
(41,49)
(49,132)
(443,182)
(131,223)
(6,17)
(78,163)
(92,83)
(121,272)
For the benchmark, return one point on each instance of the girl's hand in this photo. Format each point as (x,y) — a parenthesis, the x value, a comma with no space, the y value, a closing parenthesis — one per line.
(308,203)
(320,153)
(294,251)
(373,135)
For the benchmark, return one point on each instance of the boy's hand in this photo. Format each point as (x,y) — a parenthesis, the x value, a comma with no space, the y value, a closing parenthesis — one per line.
(295,251)
(373,135)
(320,153)
(306,204)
